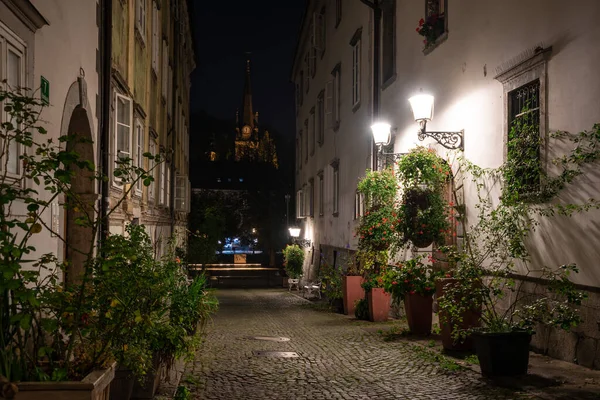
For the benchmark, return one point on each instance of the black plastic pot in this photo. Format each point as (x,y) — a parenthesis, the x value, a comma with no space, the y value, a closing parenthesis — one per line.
(502,354)
(122,386)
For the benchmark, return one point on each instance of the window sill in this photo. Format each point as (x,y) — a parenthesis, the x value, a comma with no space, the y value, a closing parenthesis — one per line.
(140,38)
(356,107)
(389,82)
(336,126)
(443,37)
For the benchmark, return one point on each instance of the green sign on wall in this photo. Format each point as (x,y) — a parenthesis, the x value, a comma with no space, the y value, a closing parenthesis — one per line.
(45,90)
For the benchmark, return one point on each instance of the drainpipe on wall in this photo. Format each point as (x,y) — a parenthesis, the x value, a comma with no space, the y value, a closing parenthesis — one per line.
(105,39)
(375,5)
(176,54)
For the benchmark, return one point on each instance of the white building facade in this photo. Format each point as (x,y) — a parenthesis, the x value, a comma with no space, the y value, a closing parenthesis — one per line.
(487,53)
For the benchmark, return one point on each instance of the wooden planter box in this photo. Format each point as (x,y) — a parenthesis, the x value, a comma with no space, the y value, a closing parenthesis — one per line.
(352,292)
(95,386)
(379,305)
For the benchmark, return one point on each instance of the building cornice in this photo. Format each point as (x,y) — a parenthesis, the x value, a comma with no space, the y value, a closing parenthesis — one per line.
(27,13)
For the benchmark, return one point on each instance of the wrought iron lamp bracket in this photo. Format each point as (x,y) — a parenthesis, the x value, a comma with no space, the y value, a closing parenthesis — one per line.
(450,140)
(303,242)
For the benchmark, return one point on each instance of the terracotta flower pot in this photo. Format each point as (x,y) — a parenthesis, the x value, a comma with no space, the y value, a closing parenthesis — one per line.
(95,386)
(352,292)
(470,320)
(419,310)
(379,305)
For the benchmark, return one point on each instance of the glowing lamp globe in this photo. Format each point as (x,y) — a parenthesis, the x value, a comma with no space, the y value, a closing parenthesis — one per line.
(381,133)
(422,107)
(294,232)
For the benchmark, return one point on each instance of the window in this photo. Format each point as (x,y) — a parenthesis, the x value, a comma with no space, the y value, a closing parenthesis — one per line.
(12,69)
(299,204)
(138,153)
(301,92)
(338,12)
(355,43)
(388,67)
(311,130)
(300,150)
(332,98)
(524,134)
(170,92)
(321,193)
(140,18)
(165,69)
(305,147)
(435,15)
(320,125)
(168,187)
(152,150)
(311,197)
(155,39)
(161,183)
(181,193)
(358,205)
(307,65)
(321,30)
(123,128)
(336,188)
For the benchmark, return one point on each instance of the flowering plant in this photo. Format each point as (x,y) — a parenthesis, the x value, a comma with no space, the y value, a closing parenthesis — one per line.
(431,28)
(409,277)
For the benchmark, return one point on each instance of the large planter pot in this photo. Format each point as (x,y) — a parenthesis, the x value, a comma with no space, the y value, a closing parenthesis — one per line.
(379,305)
(148,387)
(502,354)
(470,319)
(122,385)
(95,386)
(352,292)
(419,312)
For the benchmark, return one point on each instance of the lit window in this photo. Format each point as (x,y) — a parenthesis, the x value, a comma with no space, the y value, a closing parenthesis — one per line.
(123,128)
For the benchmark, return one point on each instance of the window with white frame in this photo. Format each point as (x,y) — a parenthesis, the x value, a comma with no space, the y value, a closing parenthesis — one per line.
(311,197)
(139,151)
(165,69)
(355,43)
(332,98)
(161,183)
(181,193)
(311,130)
(123,128)
(12,70)
(151,166)
(140,17)
(359,205)
(336,188)
(320,124)
(299,204)
(168,187)
(321,193)
(155,39)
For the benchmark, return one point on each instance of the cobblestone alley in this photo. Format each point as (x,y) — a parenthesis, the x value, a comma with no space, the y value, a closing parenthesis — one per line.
(337,357)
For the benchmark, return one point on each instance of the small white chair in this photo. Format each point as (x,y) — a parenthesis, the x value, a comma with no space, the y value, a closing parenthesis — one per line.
(293,282)
(312,288)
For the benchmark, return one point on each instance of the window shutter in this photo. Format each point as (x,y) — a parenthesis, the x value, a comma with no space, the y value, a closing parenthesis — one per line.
(329,95)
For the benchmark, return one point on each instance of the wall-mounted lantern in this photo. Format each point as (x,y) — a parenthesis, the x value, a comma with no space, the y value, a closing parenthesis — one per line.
(422,108)
(295,234)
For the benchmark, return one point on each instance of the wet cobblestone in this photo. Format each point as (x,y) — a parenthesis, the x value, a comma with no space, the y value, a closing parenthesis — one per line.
(338,357)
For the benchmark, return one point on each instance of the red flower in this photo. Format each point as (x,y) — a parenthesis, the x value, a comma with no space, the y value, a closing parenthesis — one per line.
(420,232)
(394,283)
(406,281)
(448,275)
(427,288)
(418,29)
(412,292)
(421,22)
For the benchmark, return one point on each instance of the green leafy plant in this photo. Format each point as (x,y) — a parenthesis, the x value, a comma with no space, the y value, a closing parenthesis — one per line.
(361,310)
(423,216)
(496,251)
(331,280)
(409,277)
(293,260)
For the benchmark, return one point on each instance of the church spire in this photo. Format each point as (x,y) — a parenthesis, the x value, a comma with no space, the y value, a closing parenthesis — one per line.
(248,114)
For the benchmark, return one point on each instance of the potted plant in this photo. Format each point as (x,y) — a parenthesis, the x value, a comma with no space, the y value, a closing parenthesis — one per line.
(293,263)
(377,299)
(422,212)
(431,29)
(351,289)
(413,282)
(331,281)
(495,260)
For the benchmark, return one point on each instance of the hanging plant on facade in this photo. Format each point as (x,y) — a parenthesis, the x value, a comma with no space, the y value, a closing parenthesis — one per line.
(422,213)
(431,29)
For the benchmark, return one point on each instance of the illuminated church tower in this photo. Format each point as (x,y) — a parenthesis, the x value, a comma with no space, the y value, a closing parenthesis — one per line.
(252,144)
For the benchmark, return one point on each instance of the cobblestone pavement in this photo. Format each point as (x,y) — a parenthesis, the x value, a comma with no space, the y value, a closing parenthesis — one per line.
(338,357)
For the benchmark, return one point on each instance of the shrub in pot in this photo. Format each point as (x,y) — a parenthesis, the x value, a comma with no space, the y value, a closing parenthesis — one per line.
(413,282)
(293,256)
(378,300)
(331,281)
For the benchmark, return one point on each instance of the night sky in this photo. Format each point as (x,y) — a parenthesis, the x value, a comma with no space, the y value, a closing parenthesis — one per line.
(224,31)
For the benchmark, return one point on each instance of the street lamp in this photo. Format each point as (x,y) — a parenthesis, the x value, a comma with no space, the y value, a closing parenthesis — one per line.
(381,133)
(422,108)
(295,234)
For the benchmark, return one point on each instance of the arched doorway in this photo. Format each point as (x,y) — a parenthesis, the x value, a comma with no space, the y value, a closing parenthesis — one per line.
(80,203)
